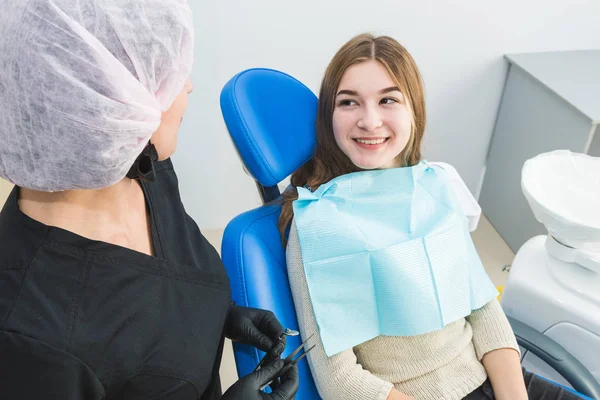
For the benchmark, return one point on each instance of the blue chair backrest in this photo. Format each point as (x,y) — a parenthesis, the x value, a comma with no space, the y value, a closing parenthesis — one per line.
(271,119)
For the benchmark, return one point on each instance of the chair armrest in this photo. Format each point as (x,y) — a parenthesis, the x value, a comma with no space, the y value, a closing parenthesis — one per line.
(557,357)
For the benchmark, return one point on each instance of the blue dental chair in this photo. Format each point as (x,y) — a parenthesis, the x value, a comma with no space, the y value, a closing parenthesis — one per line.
(271,117)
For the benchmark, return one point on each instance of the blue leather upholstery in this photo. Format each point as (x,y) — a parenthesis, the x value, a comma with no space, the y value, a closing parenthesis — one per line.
(273,138)
(255,261)
(282,109)
(271,118)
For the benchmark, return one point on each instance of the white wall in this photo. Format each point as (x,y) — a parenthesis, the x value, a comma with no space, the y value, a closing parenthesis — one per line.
(457,44)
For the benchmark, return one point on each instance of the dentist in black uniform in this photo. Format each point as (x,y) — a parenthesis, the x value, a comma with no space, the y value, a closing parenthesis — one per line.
(108,289)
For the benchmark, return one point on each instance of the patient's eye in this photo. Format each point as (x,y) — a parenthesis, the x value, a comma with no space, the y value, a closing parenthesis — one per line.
(346,102)
(389,100)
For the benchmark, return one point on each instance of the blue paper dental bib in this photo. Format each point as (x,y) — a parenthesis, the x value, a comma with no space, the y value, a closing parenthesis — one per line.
(387,252)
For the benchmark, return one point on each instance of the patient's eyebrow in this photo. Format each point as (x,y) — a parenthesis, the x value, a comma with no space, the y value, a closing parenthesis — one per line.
(348,92)
(390,89)
(355,93)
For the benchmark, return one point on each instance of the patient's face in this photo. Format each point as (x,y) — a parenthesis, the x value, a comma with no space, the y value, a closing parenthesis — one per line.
(371,119)
(165,137)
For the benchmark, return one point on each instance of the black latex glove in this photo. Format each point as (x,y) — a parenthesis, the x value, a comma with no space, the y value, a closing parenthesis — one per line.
(258,328)
(248,388)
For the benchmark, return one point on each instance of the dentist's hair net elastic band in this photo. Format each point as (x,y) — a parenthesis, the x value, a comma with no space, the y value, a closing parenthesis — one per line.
(83,84)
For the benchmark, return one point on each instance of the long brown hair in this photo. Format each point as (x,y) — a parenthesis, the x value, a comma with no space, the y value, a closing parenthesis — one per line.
(329,161)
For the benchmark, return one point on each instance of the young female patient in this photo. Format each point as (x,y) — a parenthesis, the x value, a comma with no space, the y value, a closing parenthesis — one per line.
(380,261)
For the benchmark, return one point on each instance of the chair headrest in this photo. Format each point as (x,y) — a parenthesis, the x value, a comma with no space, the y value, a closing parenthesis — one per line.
(271,119)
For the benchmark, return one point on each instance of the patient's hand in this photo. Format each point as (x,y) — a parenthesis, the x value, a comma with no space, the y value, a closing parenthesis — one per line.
(396,395)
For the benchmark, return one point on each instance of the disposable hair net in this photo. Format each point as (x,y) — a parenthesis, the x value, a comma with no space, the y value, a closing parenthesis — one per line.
(83,84)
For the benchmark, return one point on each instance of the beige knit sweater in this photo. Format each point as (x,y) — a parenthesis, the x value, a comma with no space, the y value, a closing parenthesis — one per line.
(441,365)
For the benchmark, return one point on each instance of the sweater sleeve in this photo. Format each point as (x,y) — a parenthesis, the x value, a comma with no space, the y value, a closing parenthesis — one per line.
(339,376)
(491,329)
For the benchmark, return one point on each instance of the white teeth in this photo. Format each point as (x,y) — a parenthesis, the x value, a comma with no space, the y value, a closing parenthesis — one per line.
(377,141)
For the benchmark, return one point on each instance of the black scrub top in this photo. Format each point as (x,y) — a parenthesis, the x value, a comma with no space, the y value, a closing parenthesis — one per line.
(82,319)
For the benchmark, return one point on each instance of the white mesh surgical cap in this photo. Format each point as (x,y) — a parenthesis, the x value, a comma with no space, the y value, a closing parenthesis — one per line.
(83,84)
